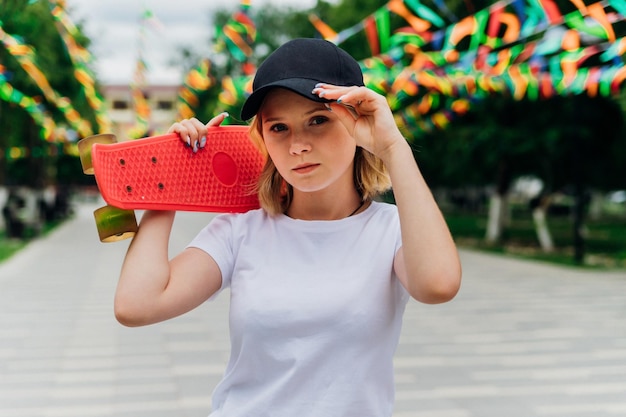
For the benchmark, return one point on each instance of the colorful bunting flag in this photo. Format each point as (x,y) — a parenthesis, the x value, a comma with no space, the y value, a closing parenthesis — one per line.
(141,107)
(197,81)
(26,57)
(33,107)
(525,48)
(81,59)
(238,35)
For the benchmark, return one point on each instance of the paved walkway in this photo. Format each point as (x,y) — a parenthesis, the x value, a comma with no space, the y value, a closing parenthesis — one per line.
(521,340)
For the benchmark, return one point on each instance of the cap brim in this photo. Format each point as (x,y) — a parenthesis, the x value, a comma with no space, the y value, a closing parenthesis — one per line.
(302,86)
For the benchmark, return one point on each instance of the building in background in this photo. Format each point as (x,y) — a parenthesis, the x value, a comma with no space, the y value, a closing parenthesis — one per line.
(162,101)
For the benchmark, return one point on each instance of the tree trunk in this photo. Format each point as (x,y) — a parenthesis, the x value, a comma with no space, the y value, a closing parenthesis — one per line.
(595,205)
(498,204)
(498,215)
(579,205)
(4,144)
(540,214)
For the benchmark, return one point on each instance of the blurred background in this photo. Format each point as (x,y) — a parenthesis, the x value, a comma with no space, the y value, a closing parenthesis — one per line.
(514,109)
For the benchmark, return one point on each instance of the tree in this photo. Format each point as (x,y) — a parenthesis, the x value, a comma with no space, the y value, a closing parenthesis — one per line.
(33,24)
(572,144)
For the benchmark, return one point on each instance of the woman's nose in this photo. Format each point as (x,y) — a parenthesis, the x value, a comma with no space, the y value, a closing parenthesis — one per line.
(299,145)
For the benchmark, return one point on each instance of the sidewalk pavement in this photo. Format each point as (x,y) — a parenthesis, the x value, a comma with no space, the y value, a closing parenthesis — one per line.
(521,339)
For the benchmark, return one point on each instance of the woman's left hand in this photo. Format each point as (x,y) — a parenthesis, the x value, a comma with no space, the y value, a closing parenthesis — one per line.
(366,115)
(193,131)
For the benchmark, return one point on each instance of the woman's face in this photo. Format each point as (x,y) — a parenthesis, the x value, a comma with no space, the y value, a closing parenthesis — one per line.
(308,144)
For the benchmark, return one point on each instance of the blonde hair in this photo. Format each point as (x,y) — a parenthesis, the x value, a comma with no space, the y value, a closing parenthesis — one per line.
(370,176)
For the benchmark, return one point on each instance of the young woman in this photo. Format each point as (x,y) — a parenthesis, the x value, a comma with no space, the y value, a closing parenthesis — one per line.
(319,276)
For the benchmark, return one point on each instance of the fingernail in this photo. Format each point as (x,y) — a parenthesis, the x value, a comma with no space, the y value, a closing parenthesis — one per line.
(319,85)
(203,142)
(195,147)
(328,107)
(226,114)
(188,141)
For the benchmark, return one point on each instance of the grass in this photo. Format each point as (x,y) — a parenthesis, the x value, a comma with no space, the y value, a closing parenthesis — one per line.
(9,247)
(605,239)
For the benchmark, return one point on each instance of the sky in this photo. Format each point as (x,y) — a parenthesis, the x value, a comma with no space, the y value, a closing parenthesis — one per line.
(113,27)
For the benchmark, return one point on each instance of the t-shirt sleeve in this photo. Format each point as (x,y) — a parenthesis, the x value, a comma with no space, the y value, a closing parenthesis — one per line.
(216,239)
(401,292)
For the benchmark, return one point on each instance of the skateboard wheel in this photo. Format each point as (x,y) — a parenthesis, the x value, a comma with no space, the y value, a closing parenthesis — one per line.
(115,224)
(84,149)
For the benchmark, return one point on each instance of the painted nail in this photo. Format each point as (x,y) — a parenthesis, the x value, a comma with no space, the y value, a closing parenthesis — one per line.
(188,142)
(318,85)
(328,107)
(195,147)
(203,142)
(226,114)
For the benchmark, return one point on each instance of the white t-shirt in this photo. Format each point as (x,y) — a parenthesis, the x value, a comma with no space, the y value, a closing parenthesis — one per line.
(315,313)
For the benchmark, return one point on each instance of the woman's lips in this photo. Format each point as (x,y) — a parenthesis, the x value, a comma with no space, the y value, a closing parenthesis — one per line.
(305,168)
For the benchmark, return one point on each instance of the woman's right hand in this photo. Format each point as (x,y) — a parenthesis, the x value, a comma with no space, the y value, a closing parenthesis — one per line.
(193,132)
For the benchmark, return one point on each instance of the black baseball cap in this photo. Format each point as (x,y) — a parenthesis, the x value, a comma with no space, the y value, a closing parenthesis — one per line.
(299,65)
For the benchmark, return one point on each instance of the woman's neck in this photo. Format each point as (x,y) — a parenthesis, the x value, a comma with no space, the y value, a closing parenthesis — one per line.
(325,206)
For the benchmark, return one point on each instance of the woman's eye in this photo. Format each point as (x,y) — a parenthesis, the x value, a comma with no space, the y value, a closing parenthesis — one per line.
(278,127)
(318,120)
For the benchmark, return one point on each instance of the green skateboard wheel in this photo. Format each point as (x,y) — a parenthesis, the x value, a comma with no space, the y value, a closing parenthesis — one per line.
(115,224)
(84,149)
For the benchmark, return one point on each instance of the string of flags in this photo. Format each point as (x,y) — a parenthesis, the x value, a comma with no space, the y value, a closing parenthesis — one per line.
(81,59)
(197,81)
(27,58)
(32,106)
(238,36)
(430,70)
(525,48)
(139,100)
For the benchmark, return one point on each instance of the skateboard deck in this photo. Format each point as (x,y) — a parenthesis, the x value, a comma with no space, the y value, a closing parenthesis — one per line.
(161,173)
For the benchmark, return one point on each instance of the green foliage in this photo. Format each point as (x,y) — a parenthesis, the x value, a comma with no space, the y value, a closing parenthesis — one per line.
(9,247)
(501,139)
(34,25)
(605,243)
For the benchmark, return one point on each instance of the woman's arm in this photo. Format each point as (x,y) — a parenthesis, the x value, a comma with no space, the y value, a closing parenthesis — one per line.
(428,263)
(152,288)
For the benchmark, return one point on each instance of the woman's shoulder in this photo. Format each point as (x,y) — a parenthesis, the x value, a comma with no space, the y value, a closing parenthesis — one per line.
(243,221)
(245,217)
(235,224)
(383,208)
